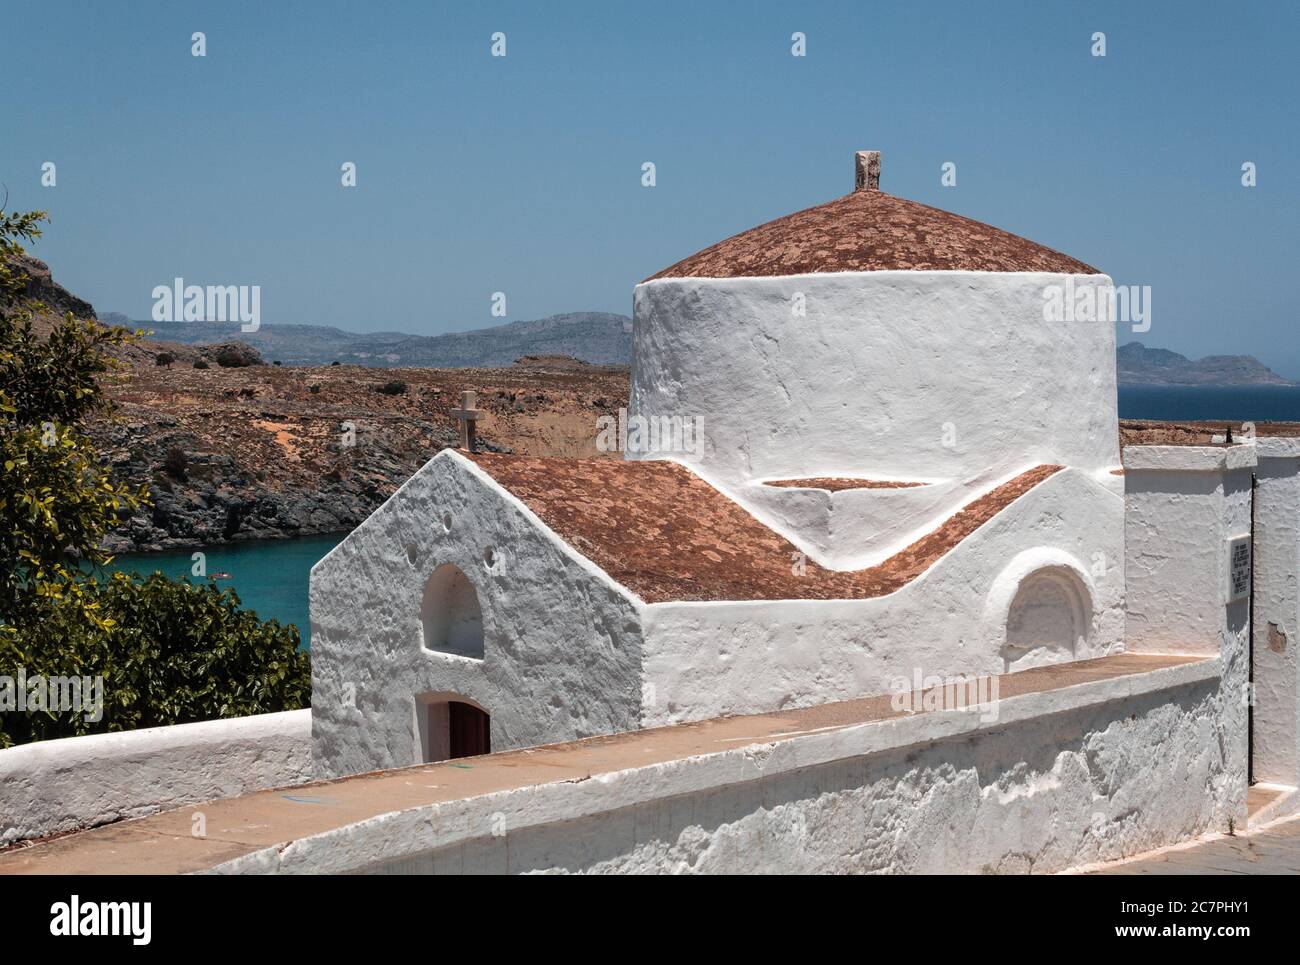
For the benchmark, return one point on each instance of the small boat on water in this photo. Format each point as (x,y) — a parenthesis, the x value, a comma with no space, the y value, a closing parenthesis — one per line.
(221,575)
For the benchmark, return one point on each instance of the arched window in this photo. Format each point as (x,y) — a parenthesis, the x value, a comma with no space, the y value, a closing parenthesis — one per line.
(450,614)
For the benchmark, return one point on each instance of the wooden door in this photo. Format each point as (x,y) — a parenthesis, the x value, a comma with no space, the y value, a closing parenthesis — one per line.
(469,730)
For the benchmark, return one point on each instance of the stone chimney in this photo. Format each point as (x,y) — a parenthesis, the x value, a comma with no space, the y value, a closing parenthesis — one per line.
(867,177)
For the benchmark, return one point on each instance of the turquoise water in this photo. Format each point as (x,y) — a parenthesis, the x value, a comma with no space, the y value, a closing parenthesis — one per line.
(270,576)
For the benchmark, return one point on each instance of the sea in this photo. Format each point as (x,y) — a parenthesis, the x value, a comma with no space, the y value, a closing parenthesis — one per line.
(271,576)
(1245,403)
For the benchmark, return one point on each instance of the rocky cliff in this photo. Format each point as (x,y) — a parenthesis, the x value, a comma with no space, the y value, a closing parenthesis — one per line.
(42,287)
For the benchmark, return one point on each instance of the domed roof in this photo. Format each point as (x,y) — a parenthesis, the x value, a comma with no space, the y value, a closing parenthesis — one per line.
(869,230)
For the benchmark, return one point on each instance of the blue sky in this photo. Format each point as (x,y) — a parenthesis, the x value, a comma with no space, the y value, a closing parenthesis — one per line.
(522,174)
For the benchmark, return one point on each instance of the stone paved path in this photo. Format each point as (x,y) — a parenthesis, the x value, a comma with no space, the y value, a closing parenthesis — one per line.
(1274,850)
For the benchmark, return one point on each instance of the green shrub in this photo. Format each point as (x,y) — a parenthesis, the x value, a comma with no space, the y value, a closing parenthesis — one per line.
(169,652)
(58,498)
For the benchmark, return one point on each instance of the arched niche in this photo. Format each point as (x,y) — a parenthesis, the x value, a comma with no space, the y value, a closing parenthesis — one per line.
(1049,619)
(450,615)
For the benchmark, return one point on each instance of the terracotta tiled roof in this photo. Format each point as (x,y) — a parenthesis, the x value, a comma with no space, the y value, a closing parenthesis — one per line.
(871,231)
(666,534)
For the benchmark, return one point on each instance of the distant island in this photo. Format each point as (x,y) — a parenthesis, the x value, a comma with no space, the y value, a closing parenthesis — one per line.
(1139,365)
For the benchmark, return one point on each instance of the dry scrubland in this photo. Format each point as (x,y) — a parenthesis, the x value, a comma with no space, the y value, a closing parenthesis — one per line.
(263,450)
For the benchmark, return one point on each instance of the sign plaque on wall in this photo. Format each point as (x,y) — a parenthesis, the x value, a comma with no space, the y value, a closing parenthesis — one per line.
(1238,568)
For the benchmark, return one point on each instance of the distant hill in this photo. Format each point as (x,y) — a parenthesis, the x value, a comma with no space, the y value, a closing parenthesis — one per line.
(604,339)
(1139,365)
(597,337)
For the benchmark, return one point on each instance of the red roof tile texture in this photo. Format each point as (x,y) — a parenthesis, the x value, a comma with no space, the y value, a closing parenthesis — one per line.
(871,231)
(666,534)
(838,484)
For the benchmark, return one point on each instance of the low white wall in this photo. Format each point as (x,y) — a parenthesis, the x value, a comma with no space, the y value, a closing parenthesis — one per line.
(1277,613)
(1182,506)
(79,782)
(1093,772)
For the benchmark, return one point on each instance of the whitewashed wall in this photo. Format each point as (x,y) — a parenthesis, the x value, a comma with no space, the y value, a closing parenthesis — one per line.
(562,649)
(1183,504)
(1095,772)
(79,782)
(570,654)
(1277,613)
(891,374)
(853,528)
(708,659)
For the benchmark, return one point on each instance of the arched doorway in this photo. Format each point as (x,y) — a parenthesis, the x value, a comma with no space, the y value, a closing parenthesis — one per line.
(450,728)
